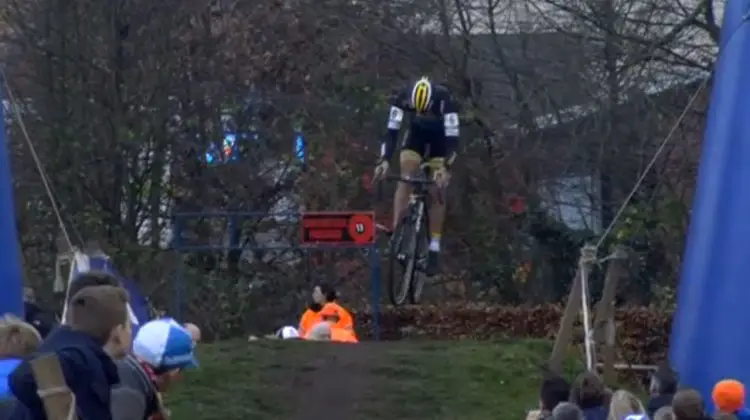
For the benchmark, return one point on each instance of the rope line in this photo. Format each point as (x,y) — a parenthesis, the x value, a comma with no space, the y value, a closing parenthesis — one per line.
(37,161)
(651,163)
(745,19)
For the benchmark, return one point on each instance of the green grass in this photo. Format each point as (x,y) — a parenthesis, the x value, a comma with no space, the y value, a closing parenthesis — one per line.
(406,380)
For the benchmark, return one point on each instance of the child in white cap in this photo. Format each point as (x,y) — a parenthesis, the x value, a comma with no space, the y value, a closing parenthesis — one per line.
(160,348)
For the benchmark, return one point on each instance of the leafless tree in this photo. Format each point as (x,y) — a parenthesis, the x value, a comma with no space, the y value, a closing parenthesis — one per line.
(123,99)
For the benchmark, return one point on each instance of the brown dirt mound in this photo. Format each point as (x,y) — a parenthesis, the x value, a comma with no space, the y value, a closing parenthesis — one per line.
(338,372)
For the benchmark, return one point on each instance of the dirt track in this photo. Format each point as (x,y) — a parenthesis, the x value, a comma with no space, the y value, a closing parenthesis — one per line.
(339,373)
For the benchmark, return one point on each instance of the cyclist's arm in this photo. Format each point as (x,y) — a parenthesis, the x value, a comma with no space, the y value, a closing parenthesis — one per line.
(395,120)
(452,124)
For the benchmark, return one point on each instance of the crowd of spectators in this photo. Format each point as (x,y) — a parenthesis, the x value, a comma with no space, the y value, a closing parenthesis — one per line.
(587,398)
(109,373)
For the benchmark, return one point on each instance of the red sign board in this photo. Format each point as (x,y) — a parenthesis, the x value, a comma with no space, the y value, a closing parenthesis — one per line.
(338,228)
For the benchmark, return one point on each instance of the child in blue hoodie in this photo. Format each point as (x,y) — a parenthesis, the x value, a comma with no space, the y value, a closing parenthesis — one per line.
(98,330)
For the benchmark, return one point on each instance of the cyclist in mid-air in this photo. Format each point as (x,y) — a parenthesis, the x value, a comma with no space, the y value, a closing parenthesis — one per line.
(432,135)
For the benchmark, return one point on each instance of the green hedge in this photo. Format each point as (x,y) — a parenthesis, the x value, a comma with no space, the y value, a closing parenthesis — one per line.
(642,333)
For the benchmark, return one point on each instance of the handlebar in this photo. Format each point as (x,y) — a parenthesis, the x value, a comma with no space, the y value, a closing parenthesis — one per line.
(414,181)
(419,179)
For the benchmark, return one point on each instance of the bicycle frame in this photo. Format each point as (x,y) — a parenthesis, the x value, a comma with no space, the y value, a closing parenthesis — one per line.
(409,245)
(418,198)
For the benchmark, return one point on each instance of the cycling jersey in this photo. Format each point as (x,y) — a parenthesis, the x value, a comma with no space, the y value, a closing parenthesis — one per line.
(434,132)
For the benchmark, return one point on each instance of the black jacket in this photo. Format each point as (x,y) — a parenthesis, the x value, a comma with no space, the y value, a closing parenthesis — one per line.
(89,373)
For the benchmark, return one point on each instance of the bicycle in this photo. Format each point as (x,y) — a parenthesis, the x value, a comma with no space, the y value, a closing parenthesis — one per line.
(409,242)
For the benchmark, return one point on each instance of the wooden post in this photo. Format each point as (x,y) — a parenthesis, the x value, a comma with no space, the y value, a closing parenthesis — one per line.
(608,351)
(604,319)
(59,402)
(572,307)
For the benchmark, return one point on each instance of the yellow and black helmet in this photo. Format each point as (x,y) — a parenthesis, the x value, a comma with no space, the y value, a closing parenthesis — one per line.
(421,95)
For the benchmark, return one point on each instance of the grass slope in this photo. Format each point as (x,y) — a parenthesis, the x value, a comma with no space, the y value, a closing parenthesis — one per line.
(406,380)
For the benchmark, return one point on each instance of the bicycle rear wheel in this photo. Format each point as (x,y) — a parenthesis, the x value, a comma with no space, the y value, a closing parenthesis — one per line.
(402,260)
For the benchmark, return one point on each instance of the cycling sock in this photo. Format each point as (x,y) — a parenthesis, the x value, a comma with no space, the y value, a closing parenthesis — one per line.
(435,242)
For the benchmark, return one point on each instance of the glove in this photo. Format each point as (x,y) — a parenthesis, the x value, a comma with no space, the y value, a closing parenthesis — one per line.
(380,171)
(441,177)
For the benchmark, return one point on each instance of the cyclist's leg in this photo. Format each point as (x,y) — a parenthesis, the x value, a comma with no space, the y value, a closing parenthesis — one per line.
(437,208)
(409,160)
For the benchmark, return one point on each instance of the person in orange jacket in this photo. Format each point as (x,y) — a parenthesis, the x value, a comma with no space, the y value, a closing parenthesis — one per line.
(325,309)
(341,335)
(321,295)
(341,330)
(310,318)
(326,296)
(344,318)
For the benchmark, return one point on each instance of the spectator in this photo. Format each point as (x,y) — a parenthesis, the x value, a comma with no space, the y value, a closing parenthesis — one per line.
(165,346)
(89,279)
(127,404)
(589,394)
(324,293)
(321,295)
(728,396)
(567,411)
(664,413)
(161,348)
(687,404)
(345,319)
(18,340)
(341,332)
(554,390)
(662,388)
(195,334)
(320,332)
(625,405)
(42,320)
(310,318)
(98,331)
(194,331)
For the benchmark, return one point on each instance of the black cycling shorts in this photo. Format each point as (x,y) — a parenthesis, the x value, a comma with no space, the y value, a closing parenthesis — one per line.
(426,144)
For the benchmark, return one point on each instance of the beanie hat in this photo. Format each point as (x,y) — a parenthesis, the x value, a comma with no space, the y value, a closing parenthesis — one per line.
(728,395)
